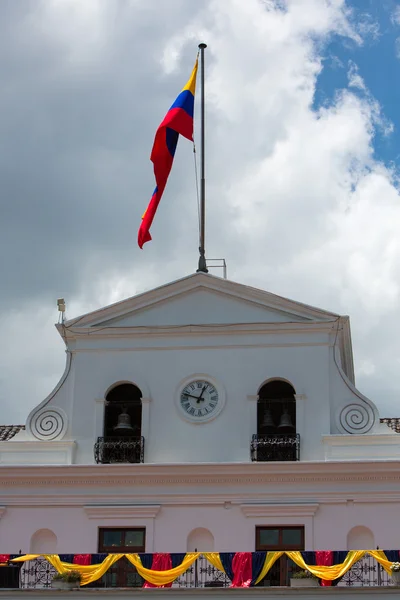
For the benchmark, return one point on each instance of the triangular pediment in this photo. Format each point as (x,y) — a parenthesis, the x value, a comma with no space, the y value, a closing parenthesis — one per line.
(201,299)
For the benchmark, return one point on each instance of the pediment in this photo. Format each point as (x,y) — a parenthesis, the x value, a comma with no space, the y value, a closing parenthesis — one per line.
(201,299)
(201,307)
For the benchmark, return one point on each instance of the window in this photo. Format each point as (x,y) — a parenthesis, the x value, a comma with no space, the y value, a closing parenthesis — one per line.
(114,540)
(122,441)
(280,538)
(276,437)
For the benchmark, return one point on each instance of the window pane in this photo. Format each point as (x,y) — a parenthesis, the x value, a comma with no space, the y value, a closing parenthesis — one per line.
(291,537)
(269,537)
(112,537)
(134,538)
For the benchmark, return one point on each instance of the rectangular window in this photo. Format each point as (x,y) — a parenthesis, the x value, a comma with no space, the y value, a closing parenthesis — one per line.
(280,538)
(117,540)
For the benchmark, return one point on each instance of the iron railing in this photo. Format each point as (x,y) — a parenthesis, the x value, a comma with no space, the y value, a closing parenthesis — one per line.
(38,574)
(119,450)
(275,446)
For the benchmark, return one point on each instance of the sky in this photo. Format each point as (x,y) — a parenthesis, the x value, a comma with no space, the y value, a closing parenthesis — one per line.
(302,152)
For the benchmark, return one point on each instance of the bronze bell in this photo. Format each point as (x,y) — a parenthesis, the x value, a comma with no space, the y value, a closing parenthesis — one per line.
(285,424)
(268,426)
(124,423)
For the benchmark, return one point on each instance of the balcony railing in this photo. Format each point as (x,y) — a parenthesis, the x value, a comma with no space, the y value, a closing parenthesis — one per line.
(275,446)
(119,450)
(38,574)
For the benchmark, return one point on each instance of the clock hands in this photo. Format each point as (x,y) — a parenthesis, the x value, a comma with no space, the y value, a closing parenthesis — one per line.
(197,398)
(202,392)
(190,396)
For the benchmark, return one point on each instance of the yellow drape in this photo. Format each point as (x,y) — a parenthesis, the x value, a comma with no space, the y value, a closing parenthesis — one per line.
(380,557)
(214,559)
(162,577)
(328,573)
(89,573)
(25,557)
(270,559)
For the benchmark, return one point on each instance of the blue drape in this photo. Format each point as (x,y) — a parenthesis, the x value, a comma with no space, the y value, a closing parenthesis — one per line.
(226,559)
(257,563)
(177,558)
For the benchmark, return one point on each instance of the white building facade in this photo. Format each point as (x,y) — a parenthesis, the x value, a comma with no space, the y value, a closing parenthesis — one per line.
(202,415)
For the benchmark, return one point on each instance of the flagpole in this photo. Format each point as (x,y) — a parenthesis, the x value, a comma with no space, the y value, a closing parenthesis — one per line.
(202,268)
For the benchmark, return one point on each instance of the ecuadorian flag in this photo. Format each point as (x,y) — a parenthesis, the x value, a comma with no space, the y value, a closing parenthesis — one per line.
(177,121)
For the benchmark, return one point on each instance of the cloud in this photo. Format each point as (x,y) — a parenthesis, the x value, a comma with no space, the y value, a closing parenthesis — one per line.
(307,210)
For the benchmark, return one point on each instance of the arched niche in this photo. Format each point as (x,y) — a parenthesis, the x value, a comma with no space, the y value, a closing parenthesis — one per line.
(200,539)
(360,538)
(44,541)
(276,408)
(123,399)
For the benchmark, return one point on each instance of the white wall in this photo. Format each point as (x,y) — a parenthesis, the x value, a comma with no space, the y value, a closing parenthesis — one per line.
(170,529)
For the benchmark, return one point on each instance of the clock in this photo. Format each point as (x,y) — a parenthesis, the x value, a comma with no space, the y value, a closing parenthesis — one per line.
(200,401)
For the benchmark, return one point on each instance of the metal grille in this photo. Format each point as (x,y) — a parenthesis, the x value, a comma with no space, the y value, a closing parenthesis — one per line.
(36,574)
(366,572)
(202,574)
(275,446)
(119,450)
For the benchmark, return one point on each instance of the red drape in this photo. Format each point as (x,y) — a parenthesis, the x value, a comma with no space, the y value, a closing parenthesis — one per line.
(324,558)
(82,559)
(161,562)
(242,569)
(4,558)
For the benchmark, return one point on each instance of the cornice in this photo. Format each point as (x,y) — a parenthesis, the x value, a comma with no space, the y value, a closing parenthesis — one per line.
(118,511)
(224,498)
(238,474)
(279,510)
(225,329)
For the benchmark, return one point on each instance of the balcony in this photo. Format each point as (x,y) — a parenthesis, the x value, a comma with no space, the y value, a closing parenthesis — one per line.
(365,578)
(275,446)
(108,450)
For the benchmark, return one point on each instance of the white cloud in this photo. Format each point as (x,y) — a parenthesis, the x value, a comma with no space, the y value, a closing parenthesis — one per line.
(395,16)
(308,211)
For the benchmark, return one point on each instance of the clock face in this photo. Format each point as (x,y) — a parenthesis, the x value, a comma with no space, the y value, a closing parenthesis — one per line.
(200,400)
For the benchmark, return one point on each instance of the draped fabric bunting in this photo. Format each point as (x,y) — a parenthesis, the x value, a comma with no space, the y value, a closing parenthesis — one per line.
(214,558)
(161,578)
(244,569)
(270,559)
(161,562)
(4,558)
(324,558)
(82,559)
(257,565)
(89,573)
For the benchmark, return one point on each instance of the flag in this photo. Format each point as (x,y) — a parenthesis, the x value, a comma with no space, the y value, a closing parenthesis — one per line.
(177,121)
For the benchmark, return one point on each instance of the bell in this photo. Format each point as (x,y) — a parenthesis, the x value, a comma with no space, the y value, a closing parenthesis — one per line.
(124,423)
(285,424)
(268,426)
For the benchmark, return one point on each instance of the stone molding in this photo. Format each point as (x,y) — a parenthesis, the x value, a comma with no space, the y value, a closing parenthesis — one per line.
(118,511)
(279,510)
(239,474)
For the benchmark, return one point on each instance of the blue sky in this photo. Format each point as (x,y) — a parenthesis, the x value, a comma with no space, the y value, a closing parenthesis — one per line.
(378,63)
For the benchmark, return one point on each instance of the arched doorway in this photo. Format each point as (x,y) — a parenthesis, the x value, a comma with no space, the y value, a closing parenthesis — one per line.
(276,437)
(122,441)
